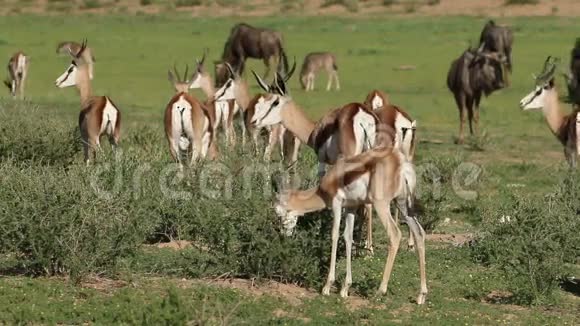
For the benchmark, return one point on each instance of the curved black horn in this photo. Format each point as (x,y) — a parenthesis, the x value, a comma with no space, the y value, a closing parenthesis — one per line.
(289,73)
(230,69)
(261,82)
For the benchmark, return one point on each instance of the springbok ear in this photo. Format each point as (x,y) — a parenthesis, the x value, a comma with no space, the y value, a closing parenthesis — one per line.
(230,70)
(262,84)
(414,124)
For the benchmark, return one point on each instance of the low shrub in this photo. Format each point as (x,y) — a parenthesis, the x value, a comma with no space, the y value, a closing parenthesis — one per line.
(533,240)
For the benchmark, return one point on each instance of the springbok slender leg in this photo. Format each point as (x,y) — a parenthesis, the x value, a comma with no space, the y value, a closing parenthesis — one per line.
(368,210)
(394,233)
(348,239)
(336,211)
(336,80)
(329,83)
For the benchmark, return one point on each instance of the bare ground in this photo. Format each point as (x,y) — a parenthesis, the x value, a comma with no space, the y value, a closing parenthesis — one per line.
(257,8)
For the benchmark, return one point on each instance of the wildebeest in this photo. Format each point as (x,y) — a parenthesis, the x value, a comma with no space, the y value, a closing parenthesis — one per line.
(496,38)
(313,63)
(474,73)
(573,78)
(246,41)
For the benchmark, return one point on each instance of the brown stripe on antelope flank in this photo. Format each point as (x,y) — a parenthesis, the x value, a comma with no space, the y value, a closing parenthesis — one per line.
(348,170)
(567,131)
(250,110)
(91,116)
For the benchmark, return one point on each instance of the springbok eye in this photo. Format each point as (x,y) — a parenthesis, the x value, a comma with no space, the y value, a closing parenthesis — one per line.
(539,91)
(70,70)
(276,102)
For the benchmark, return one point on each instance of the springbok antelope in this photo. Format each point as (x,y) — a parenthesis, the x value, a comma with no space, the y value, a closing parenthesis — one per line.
(17,72)
(375,177)
(396,121)
(188,123)
(70,46)
(313,63)
(225,110)
(566,127)
(99,115)
(277,134)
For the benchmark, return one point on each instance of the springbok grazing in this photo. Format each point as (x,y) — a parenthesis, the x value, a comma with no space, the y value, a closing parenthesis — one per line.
(474,73)
(67,47)
(313,63)
(277,134)
(225,109)
(246,41)
(17,72)
(188,122)
(398,122)
(566,127)
(375,177)
(99,115)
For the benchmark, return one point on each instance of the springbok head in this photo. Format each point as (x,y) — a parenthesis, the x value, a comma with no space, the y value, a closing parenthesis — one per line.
(228,90)
(268,109)
(536,99)
(201,78)
(180,84)
(76,71)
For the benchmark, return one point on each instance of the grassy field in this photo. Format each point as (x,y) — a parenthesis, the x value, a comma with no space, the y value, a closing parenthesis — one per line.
(151,285)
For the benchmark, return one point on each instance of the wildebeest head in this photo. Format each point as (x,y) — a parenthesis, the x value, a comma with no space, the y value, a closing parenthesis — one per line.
(487,70)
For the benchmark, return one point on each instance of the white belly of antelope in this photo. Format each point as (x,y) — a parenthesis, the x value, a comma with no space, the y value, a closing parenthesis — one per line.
(354,193)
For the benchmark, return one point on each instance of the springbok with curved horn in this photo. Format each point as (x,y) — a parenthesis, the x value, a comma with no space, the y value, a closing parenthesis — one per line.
(404,127)
(99,115)
(225,110)
(375,177)
(67,47)
(188,124)
(566,127)
(17,72)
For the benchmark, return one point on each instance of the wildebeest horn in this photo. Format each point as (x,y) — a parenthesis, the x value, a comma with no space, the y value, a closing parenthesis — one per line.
(231,70)
(261,82)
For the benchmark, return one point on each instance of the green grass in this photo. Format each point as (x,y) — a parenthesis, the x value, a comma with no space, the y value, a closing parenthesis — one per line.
(132,59)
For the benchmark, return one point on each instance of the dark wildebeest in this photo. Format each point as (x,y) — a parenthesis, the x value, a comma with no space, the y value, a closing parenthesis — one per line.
(496,38)
(474,73)
(246,41)
(573,79)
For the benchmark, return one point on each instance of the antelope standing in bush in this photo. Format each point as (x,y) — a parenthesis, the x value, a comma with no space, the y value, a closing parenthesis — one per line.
(67,47)
(225,109)
(375,177)
(566,127)
(17,72)
(188,124)
(396,121)
(313,63)
(99,115)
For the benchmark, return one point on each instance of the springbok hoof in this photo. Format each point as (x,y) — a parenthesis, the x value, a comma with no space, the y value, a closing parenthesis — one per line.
(326,290)
(421,298)
(344,292)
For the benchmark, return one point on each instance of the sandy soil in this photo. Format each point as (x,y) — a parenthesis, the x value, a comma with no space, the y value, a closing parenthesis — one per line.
(253,8)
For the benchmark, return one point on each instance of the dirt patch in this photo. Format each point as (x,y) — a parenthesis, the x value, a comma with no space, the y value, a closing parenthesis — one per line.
(279,313)
(456,239)
(498,296)
(104,285)
(261,8)
(175,244)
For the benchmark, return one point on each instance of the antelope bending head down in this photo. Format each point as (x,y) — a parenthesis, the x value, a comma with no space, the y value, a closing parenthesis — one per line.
(17,73)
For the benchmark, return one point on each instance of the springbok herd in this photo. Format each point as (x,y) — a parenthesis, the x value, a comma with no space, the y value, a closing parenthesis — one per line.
(370,145)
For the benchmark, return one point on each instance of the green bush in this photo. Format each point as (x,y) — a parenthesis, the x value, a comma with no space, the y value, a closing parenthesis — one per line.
(536,243)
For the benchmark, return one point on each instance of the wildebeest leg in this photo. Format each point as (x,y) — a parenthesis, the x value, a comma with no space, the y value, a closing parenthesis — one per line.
(460,101)
(476,101)
(470,114)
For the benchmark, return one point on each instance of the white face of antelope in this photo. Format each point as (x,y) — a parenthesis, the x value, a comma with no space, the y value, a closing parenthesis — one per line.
(377,102)
(536,99)
(268,111)
(68,78)
(288,219)
(226,92)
